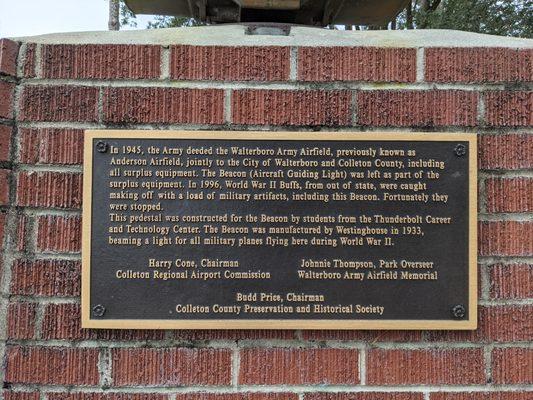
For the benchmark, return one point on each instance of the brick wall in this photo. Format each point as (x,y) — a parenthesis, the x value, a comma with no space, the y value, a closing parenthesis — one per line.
(52,88)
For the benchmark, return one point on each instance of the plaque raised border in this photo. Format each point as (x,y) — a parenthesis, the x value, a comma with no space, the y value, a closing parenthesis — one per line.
(340,324)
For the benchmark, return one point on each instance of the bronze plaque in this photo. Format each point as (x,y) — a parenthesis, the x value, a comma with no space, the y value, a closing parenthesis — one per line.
(263,230)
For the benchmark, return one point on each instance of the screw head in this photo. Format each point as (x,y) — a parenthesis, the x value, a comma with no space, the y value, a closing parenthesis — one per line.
(98,310)
(460,150)
(459,311)
(101,146)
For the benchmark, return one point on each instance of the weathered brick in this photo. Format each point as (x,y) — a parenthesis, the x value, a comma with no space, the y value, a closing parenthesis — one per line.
(505,238)
(501,324)
(514,151)
(101,61)
(364,396)
(370,64)
(21,321)
(10,395)
(229,63)
(29,62)
(57,233)
(512,366)
(22,232)
(237,396)
(49,189)
(59,103)
(4,186)
(52,366)
(511,281)
(173,366)
(514,395)
(51,146)
(509,195)
(424,108)
(63,322)
(8,57)
(6,99)
(367,336)
(5,142)
(503,108)
(164,105)
(106,396)
(429,367)
(233,334)
(57,278)
(285,107)
(475,64)
(299,366)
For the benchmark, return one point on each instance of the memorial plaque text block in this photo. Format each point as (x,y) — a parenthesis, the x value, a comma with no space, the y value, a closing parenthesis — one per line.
(279,230)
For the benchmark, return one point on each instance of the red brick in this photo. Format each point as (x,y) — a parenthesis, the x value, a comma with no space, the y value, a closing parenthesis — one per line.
(4,186)
(8,57)
(106,396)
(98,61)
(299,366)
(367,336)
(228,63)
(501,324)
(370,64)
(417,108)
(364,396)
(5,142)
(63,322)
(51,146)
(57,233)
(513,151)
(22,232)
(59,103)
(164,105)
(49,189)
(237,396)
(505,238)
(476,64)
(509,195)
(28,66)
(509,108)
(516,395)
(57,278)
(512,366)
(511,281)
(52,366)
(285,107)
(433,367)
(233,334)
(173,366)
(9,395)
(21,321)
(6,99)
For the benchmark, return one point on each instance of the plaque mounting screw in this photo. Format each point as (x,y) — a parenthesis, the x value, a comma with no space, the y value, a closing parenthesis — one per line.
(98,310)
(101,146)
(459,311)
(460,150)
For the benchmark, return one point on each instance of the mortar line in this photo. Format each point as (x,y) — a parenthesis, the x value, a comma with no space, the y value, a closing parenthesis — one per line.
(362,365)
(487,357)
(228,94)
(235,366)
(293,63)
(420,64)
(38,62)
(165,63)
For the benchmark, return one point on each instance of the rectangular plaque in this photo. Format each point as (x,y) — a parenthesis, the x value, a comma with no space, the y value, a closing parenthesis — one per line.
(264,230)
